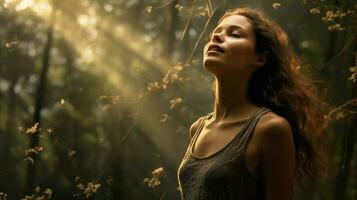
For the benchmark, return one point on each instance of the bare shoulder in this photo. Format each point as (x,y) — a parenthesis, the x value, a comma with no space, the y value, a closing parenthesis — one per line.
(194,127)
(275,145)
(272,129)
(271,123)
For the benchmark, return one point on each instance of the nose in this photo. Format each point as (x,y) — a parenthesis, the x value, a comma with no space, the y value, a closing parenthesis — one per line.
(217,37)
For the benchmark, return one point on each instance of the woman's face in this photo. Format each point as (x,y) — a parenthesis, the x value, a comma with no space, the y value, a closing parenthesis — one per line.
(234,52)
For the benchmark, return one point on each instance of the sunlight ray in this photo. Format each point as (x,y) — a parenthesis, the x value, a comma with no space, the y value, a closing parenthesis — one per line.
(87,31)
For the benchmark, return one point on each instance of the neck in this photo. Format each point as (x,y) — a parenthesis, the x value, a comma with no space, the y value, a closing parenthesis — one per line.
(231,100)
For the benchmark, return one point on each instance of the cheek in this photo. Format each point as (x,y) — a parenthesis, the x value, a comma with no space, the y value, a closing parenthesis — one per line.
(242,51)
(245,48)
(241,55)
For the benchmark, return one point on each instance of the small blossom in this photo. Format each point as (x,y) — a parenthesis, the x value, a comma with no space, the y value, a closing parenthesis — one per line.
(33,129)
(174,102)
(315,10)
(71,153)
(178,67)
(49,130)
(329,16)
(90,189)
(153,86)
(33,151)
(158,171)
(109,101)
(62,101)
(170,77)
(148,9)
(87,189)
(165,117)
(80,186)
(339,116)
(155,180)
(335,27)
(276,5)
(3,196)
(353,76)
(12,44)
(178,7)
(38,194)
(201,11)
(48,192)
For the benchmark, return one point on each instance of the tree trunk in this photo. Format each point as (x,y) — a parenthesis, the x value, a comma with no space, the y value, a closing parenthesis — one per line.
(7,172)
(348,143)
(41,89)
(172,20)
(348,146)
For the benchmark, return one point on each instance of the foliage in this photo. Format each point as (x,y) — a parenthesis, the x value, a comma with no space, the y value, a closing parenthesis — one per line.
(125,83)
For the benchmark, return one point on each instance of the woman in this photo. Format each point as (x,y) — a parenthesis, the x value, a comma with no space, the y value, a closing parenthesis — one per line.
(266,125)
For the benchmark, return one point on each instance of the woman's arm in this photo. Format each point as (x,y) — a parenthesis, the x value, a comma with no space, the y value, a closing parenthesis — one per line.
(277,154)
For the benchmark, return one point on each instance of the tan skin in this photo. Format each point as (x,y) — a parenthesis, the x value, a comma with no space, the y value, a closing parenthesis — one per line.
(271,147)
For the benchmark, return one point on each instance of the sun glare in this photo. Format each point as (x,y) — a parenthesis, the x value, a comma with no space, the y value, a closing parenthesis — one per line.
(40,7)
(93,35)
(24,4)
(85,20)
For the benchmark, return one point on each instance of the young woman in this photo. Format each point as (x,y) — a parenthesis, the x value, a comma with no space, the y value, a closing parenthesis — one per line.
(266,124)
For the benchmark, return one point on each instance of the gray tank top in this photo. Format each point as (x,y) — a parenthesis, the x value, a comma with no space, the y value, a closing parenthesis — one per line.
(222,175)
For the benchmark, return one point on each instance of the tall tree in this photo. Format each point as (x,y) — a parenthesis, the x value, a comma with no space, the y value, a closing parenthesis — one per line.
(40,92)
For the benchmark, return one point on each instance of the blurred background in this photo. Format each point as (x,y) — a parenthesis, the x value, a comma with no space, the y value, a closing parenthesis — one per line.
(97,96)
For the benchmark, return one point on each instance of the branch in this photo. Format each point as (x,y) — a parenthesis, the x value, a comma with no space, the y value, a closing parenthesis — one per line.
(341,111)
(201,35)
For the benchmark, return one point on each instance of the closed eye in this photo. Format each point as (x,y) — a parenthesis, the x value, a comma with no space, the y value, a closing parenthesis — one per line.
(235,35)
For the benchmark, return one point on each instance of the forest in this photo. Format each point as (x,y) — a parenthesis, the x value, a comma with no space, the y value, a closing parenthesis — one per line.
(97,96)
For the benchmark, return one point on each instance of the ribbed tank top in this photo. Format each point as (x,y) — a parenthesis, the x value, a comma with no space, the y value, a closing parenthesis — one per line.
(222,175)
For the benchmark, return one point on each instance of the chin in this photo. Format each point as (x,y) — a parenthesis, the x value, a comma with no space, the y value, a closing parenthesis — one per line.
(212,66)
(211,63)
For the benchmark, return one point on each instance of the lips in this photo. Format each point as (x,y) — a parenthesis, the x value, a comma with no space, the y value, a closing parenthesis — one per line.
(216,48)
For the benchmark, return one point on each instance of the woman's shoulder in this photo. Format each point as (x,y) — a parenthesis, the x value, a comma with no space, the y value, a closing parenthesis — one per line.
(273,129)
(195,125)
(272,123)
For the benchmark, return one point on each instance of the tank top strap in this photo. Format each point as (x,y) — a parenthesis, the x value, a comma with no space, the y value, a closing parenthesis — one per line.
(198,130)
(251,125)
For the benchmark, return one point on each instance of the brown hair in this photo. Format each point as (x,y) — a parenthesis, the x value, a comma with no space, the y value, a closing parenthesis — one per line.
(282,87)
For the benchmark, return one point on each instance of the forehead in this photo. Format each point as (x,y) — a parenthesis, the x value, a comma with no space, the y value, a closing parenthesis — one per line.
(238,21)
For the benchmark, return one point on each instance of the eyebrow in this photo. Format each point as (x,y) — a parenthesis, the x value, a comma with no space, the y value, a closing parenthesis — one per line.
(229,27)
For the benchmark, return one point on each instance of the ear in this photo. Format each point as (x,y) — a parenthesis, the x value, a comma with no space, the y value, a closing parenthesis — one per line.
(262,59)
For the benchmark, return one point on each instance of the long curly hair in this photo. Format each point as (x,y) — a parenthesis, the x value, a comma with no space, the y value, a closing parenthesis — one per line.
(282,86)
